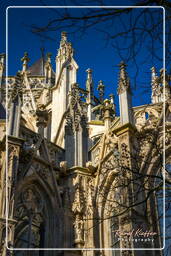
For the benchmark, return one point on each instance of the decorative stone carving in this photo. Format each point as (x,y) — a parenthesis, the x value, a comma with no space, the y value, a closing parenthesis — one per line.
(79,229)
(78,208)
(32,200)
(65,51)
(124,82)
(17,89)
(77,114)
(89,196)
(63,166)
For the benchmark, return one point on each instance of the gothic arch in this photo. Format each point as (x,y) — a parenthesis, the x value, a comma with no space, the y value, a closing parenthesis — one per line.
(107,206)
(38,216)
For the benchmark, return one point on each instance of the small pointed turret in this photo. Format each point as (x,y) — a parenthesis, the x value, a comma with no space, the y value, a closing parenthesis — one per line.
(101,88)
(63,38)
(124,82)
(107,113)
(65,53)
(48,68)
(111,97)
(66,75)
(112,101)
(65,50)
(49,58)
(153,75)
(124,91)
(25,61)
(89,82)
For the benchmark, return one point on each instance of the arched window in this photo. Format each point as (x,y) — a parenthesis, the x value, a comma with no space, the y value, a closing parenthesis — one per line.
(30,213)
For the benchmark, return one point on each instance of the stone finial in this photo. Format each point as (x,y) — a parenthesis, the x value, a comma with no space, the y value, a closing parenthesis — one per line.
(2,59)
(48,59)
(65,51)
(64,35)
(89,82)
(124,82)
(48,68)
(111,96)
(153,72)
(101,88)
(108,111)
(112,101)
(63,38)
(25,61)
(153,76)
(164,76)
(89,71)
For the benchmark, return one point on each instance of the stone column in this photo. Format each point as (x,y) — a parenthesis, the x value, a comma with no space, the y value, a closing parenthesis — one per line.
(89,88)
(124,91)
(101,88)
(25,61)
(107,114)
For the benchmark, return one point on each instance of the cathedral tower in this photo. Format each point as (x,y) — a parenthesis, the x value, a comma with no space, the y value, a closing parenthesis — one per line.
(66,70)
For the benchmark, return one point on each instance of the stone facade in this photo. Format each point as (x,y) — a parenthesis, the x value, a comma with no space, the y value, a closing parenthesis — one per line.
(79,176)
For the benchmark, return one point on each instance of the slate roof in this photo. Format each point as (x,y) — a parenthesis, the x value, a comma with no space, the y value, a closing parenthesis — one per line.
(37,69)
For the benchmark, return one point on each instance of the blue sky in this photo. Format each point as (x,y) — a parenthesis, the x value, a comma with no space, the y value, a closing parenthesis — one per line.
(92,49)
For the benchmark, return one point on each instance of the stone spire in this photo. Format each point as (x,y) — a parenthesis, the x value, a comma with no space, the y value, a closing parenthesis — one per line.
(153,75)
(48,68)
(112,101)
(48,58)
(66,75)
(63,38)
(101,88)
(107,113)
(89,82)
(124,91)
(124,81)
(65,51)
(25,61)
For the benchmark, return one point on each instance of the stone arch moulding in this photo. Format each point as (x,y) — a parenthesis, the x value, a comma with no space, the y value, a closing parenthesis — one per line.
(38,216)
(106,205)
